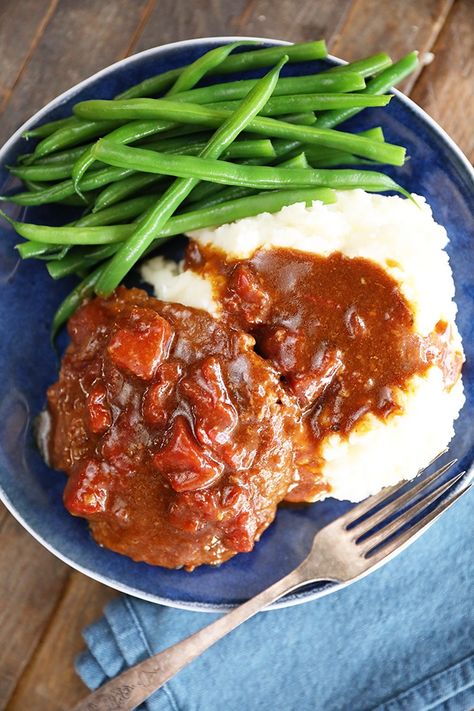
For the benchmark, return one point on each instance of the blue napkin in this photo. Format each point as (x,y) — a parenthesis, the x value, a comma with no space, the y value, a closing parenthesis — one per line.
(401,639)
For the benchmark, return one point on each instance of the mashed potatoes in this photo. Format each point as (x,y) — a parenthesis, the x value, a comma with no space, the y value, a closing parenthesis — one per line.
(408,244)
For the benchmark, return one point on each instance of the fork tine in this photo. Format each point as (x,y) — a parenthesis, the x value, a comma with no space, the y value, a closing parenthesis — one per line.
(372,502)
(397,541)
(398,504)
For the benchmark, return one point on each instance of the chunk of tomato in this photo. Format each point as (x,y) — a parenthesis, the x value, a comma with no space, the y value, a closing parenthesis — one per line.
(141,349)
(100,417)
(86,490)
(183,462)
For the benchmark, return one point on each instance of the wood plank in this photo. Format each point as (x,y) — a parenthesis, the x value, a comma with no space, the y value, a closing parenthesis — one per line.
(81,38)
(22,23)
(445,88)
(393,26)
(31,581)
(185,20)
(50,682)
(296,22)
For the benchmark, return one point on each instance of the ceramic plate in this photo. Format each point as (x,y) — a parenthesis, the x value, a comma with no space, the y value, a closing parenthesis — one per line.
(28,364)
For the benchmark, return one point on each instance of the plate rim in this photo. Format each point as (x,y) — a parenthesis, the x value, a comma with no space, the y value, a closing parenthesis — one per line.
(293,598)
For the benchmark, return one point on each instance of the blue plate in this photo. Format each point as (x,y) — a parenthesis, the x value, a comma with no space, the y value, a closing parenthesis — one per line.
(28,364)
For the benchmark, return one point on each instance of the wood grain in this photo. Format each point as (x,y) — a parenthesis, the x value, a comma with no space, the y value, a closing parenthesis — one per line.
(31,581)
(50,683)
(446,87)
(187,20)
(21,27)
(81,38)
(393,26)
(296,22)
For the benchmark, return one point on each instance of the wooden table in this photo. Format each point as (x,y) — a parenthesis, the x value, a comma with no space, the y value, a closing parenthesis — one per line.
(46,46)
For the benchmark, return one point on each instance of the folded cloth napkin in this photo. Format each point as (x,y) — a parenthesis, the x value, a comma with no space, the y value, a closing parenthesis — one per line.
(401,639)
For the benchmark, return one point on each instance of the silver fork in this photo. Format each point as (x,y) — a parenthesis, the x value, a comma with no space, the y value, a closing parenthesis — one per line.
(345,550)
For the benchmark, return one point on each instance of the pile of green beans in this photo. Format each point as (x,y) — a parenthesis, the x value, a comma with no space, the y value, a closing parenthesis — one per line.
(169,156)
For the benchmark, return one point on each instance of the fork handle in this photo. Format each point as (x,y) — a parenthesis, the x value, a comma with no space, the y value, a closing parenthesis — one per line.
(135,685)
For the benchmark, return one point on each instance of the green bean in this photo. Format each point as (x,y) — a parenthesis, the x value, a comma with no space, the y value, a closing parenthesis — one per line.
(64,190)
(209,62)
(24,158)
(251,148)
(328,157)
(76,201)
(207,195)
(78,259)
(260,177)
(71,235)
(341,159)
(238,149)
(276,106)
(131,132)
(375,133)
(139,242)
(312,84)
(181,131)
(245,61)
(42,172)
(284,147)
(69,155)
(234,151)
(393,75)
(72,136)
(121,212)
(40,250)
(60,254)
(190,113)
(118,191)
(175,142)
(365,67)
(34,187)
(297,161)
(223,195)
(379,85)
(139,130)
(307,118)
(48,128)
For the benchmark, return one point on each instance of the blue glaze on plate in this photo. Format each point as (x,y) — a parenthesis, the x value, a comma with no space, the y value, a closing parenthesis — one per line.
(28,364)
